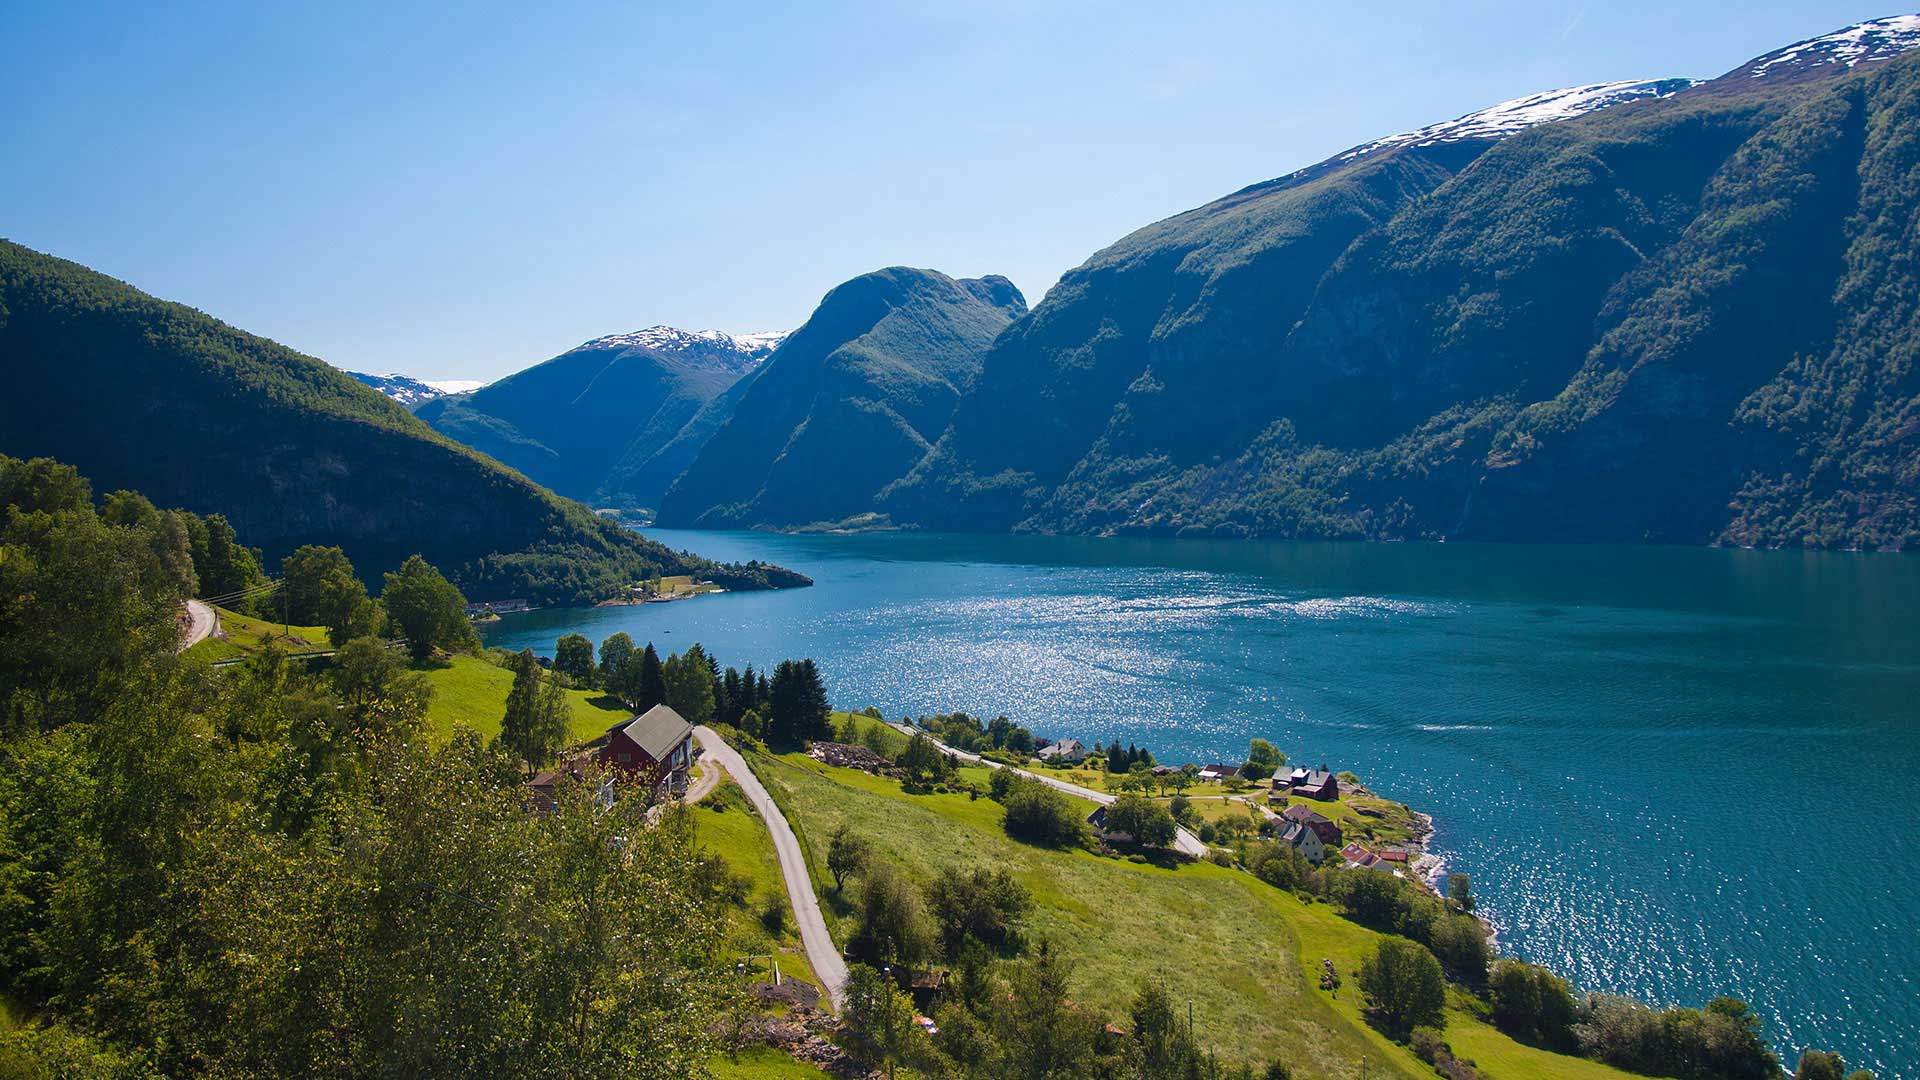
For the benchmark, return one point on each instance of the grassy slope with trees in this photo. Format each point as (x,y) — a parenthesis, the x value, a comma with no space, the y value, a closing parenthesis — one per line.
(154,396)
(262,871)
(1239,950)
(1686,320)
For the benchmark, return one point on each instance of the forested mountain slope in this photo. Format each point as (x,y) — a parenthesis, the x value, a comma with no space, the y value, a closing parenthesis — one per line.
(1687,316)
(589,422)
(154,396)
(848,403)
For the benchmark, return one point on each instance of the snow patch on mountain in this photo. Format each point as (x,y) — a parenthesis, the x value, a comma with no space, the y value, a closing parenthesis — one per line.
(671,339)
(1519,114)
(1876,39)
(410,391)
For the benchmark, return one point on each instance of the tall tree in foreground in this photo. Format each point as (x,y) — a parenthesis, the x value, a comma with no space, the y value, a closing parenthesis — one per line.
(319,588)
(798,709)
(878,1027)
(617,669)
(1042,1034)
(689,684)
(650,684)
(427,610)
(573,657)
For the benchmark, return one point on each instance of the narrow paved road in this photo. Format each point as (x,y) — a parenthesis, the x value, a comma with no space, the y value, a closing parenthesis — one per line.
(201,623)
(821,951)
(1183,841)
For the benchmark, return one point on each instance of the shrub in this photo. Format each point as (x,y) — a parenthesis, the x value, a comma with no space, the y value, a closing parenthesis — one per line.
(1427,1044)
(1403,982)
(1038,814)
(893,926)
(985,906)
(1532,1004)
(1141,818)
(1460,941)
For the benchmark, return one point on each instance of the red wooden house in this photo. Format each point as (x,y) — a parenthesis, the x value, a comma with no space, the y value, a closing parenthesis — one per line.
(654,748)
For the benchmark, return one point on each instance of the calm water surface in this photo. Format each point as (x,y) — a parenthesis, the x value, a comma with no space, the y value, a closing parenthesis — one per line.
(1671,772)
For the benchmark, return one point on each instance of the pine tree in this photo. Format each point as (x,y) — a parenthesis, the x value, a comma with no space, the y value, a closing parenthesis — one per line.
(726,703)
(651,687)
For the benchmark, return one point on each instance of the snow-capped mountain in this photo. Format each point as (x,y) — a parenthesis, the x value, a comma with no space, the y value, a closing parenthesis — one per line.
(741,352)
(1876,39)
(413,392)
(1508,117)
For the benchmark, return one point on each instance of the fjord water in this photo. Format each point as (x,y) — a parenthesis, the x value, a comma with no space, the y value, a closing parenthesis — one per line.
(1671,772)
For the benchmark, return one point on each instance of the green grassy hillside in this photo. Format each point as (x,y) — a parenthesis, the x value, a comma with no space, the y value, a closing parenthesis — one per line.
(1244,954)
(470,692)
(157,397)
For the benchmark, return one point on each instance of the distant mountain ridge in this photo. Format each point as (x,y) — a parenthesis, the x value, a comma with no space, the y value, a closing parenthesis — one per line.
(1680,317)
(847,403)
(413,392)
(597,421)
(152,396)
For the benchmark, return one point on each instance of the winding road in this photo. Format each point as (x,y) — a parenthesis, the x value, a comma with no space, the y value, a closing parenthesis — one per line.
(825,957)
(1184,842)
(201,621)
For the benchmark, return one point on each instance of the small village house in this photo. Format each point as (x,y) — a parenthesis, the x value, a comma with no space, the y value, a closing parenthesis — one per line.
(1303,840)
(1098,822)
(1308,783)
(1219,774)
(1067,751)
(1360,858)
(1323,826)
(654,749)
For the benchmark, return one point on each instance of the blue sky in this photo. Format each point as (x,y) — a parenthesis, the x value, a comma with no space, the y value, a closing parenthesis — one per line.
(461,191)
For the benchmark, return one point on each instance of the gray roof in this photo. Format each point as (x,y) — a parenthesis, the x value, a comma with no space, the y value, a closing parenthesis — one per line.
(657,731)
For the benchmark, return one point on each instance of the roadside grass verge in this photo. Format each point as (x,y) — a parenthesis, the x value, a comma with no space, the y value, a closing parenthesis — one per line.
(725,824)
(246,635)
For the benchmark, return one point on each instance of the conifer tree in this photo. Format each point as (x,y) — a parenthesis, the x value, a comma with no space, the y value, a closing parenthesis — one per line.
(650,688)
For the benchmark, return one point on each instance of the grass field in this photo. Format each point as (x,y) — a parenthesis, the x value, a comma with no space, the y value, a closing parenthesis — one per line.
(245,635)
(764,1063)
(470,692)
(1246,956)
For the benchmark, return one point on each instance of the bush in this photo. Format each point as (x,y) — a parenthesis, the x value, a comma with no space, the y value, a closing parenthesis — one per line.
(1532,1004)
(1719,1042)
(1403,982)
(1143,819)
(1460,941)
(1038,814)
(1427,1044)
(987,906)
(893,926)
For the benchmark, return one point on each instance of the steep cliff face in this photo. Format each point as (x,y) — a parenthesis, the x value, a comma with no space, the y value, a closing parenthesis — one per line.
(156,397)
(847,404)
(1679,316)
